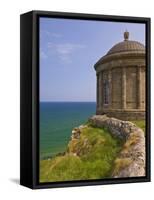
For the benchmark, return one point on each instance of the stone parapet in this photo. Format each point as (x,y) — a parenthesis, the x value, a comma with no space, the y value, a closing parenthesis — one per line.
(131,160)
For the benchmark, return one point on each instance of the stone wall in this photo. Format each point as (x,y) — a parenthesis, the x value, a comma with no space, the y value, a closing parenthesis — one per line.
(124,114)
(131,160)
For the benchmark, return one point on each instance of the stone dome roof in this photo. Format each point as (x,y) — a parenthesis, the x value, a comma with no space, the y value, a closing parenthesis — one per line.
(127,46)
(123,49)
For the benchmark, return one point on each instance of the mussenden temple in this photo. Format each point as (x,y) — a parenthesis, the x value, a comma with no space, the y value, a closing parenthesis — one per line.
(121,81)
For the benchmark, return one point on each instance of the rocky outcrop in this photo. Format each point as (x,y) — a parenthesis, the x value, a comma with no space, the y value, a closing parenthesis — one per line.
(76,145)
(131,160)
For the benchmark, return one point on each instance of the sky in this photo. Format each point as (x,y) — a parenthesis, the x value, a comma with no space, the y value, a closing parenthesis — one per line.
(68,51)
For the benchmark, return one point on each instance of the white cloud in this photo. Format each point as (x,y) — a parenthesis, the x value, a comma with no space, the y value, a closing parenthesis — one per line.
(43,55)
(56,35)
(64,50)
(50,34)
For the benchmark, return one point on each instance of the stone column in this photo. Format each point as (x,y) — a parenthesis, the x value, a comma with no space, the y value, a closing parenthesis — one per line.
(139,88)
(123,88)
(97,89)
(100,90)
(110,88)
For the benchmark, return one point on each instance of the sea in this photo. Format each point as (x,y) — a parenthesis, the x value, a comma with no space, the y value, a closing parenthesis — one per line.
(57,119)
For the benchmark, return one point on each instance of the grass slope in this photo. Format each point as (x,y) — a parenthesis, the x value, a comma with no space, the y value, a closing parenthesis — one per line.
(97,150)
(140,124)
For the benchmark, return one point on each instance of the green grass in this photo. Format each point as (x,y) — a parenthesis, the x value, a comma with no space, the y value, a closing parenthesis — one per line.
(140,123)
(96,151)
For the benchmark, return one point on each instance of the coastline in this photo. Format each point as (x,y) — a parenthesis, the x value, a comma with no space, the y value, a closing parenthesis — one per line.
(57,119)
(102,148)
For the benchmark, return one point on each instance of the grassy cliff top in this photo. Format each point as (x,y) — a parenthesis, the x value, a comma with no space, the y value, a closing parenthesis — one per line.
(89,156)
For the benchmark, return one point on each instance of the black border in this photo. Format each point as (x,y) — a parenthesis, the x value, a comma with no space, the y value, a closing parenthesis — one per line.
(35,97)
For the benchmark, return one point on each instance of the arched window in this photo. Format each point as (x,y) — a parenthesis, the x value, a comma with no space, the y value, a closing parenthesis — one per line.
(106,92)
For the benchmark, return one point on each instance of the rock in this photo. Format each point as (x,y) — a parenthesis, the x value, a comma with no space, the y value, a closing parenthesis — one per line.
(82,126)
(76,133)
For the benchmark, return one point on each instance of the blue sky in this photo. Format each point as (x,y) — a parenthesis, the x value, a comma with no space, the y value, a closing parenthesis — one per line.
(68,51)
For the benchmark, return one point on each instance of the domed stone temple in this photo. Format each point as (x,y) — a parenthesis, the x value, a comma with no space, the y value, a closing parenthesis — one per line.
(121,81)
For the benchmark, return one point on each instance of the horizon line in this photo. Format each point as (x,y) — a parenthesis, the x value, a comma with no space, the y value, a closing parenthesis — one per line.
(67,101)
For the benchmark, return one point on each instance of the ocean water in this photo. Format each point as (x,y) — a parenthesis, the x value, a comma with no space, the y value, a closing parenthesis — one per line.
(57,119)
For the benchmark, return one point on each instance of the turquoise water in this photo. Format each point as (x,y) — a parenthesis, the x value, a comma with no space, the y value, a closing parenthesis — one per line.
(57,119)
